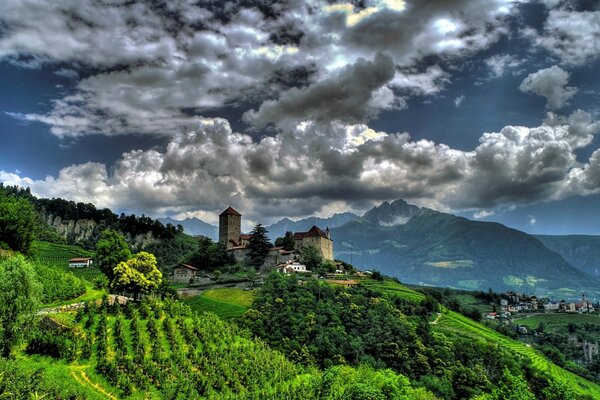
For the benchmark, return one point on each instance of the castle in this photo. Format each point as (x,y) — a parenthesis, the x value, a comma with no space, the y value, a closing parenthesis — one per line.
(230,234)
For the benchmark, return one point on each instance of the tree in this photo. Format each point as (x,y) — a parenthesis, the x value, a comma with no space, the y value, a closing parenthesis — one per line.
(18,293)
(111,249)
(311,257)
(18,222)
(259,246)
(140,274)
(210,255)
(287,241)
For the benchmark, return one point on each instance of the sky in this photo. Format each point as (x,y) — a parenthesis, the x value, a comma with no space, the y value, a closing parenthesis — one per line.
(488,109)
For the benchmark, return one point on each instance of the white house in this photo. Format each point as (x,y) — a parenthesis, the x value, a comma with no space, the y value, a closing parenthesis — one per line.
(291,267)
(80,262)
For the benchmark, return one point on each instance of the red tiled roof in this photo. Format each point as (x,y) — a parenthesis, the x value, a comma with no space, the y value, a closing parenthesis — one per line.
(245,237)
(230,211)
(74,260)
(314,231)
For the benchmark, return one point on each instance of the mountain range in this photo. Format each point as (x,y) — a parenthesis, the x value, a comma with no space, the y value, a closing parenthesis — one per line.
(423,246)
(195,226)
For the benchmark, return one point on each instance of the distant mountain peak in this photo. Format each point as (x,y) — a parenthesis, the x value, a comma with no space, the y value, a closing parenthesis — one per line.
(398,212)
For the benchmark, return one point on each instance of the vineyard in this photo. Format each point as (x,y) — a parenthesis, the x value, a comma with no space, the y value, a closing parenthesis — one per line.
(453,323)
(162,349)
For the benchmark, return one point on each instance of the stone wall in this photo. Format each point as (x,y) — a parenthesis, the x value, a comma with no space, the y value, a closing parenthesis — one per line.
(230,228)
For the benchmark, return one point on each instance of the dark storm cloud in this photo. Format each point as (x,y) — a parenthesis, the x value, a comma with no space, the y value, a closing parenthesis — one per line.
(343,97)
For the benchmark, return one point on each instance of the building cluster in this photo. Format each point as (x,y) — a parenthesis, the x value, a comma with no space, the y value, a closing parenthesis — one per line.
(230,234)
(514,302)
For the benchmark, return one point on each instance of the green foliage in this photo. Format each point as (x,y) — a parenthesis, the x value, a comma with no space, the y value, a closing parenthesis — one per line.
(287,241)
(210,255)
(57,284)
(311,257)
(139,274)
(101,282)
(18,384)
(172,251)
(258,246)
(559,390)
(18,222)
(18,298)
(111,249)
(334,325)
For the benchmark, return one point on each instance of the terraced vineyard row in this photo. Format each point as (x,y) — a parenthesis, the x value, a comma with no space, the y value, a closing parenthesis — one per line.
(454,323)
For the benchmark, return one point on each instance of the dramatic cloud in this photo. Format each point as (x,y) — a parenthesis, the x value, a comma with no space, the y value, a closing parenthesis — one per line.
(572,36)
(158,67)
(312,165)
(345,96)
(550,83)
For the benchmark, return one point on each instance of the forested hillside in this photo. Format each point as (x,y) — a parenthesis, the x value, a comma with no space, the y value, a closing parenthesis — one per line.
(64,221)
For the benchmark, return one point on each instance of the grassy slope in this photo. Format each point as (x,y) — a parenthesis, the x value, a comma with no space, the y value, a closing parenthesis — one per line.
(81,379)
(454,324)
(226,303)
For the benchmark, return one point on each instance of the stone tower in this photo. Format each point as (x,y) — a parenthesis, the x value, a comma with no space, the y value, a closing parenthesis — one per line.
(230,227)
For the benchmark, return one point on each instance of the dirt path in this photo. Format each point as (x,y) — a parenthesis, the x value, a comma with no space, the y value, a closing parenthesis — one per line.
(76,306)
(439,315)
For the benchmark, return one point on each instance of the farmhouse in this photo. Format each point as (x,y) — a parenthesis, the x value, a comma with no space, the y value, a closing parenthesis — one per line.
(184,273)
(80,262)
(230,222)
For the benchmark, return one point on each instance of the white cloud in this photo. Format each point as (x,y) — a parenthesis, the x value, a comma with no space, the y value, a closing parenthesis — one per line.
(572,36)
(310,166)
(459,100)
(483,214)
(500,64)
(157,72)
(550,83)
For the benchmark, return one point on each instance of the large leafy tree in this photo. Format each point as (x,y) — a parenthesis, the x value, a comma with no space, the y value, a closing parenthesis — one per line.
(311,257)
(287,241)
(18,222)
(259,246)
(18,297)
(111,249)
(210,255)
(140,274)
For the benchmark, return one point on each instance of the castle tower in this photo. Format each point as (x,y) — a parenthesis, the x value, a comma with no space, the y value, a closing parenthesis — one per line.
(230,227)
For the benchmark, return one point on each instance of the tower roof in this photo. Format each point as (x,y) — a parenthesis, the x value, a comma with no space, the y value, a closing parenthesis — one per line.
(230,211)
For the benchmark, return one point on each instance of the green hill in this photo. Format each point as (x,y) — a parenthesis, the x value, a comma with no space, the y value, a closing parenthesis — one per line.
(385,323)
(434,248)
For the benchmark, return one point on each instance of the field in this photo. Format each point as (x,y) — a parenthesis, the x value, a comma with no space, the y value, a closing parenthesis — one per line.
(58,255)
(226,303)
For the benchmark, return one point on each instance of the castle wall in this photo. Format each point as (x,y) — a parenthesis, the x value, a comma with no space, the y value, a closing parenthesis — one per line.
(325,246)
